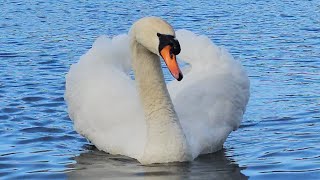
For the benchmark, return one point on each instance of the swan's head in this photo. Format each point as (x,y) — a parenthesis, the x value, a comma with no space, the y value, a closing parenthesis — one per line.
(159,38)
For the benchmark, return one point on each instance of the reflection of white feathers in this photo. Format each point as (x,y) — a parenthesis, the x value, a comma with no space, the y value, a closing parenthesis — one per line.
(103,100)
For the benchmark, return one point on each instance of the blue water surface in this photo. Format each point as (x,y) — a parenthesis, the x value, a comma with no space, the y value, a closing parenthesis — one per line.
(278,42)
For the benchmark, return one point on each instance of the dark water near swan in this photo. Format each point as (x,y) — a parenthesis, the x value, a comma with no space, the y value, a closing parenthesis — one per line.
(278,42)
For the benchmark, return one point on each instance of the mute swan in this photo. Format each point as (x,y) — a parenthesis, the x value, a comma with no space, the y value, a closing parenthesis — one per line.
(137,118)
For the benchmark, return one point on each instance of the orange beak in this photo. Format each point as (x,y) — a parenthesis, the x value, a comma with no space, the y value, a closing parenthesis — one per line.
(171,62)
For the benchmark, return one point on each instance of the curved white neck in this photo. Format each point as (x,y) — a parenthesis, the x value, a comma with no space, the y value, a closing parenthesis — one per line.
(166,141)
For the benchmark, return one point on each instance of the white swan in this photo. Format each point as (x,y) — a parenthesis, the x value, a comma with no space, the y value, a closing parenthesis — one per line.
(137,118)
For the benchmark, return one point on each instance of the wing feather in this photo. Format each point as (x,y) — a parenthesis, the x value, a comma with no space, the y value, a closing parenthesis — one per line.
(102,99)
(211,99)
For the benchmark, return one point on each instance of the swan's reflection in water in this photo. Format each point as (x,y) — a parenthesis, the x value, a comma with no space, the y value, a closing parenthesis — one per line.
(99,165)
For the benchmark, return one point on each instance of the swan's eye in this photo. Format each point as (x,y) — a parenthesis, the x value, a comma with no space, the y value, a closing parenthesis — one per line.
(171,53)
(176,48)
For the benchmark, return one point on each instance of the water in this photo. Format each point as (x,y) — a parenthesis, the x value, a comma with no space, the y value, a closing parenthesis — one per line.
(278,42)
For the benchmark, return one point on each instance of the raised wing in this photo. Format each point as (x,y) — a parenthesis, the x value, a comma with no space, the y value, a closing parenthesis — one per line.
(102,99)
(212,97)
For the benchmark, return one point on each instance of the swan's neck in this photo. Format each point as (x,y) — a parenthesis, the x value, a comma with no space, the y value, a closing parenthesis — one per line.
(165,138)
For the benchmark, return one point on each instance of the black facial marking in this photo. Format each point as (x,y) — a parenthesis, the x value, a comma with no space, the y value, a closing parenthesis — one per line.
(169,40)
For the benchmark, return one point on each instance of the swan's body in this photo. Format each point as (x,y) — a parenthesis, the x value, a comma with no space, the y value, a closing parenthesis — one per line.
(138,118)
